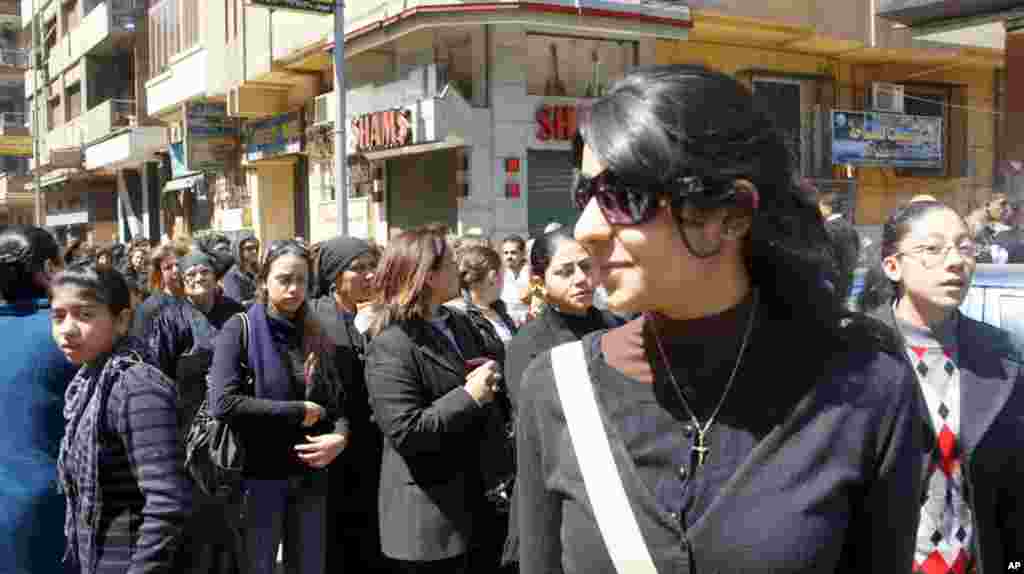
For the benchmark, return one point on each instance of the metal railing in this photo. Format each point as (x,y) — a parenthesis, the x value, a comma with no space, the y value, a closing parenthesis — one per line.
(14,120)
(14,58)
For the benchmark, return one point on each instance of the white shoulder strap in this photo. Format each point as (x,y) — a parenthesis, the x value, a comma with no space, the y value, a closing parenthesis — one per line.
(615,518)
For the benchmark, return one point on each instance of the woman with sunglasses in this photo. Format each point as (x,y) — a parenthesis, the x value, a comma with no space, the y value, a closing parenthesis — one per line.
(180,338)
(276,384)
(969,375)
(740,424)
(432,385)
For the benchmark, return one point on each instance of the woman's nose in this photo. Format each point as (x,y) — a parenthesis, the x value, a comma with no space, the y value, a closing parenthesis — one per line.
(593,229)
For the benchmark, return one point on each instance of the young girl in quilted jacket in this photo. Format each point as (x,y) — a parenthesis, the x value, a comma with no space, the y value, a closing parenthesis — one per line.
(120,464)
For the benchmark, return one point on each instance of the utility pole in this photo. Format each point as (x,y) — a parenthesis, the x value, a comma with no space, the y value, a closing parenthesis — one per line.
(37,192)
(340,119)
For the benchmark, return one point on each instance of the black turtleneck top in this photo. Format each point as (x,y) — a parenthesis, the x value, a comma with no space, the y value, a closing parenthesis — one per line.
(653,422)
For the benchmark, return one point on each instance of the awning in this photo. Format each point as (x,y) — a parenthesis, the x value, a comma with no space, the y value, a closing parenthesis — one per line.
(411,149)
(184,182)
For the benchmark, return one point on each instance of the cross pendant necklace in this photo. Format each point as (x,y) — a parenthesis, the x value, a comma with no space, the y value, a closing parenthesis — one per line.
(700,451)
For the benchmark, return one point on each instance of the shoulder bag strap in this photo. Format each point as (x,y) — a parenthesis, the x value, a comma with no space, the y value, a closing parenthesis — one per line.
(247,373)
(615,518)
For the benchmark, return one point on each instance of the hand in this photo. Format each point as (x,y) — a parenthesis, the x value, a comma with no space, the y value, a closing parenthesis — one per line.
(321,450)
(314,413)
(482,383)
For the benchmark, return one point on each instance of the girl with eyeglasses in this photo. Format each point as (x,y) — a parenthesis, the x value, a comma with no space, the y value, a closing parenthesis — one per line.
(277,385)
(180,337)
(969,377)
(740,424)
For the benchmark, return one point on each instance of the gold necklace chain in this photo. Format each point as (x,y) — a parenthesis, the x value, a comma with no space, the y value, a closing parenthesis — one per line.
(701,450)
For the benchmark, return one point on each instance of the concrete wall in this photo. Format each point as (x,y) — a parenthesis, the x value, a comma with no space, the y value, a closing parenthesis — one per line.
(271,184)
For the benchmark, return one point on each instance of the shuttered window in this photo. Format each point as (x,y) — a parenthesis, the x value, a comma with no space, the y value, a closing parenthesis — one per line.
(549,191)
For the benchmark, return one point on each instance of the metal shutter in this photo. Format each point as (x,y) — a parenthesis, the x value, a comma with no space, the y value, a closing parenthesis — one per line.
(549,177)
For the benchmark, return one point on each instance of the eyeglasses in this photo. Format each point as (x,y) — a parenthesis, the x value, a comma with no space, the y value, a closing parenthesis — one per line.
(198,272)
(933,255)
(362,267)
(621,203)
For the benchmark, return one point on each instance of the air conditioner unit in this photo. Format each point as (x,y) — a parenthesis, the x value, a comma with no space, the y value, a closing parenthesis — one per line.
(325,109)
(887,97)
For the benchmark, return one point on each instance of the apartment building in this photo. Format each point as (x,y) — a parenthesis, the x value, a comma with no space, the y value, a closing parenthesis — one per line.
(16,204)
(463,113)
(95,152)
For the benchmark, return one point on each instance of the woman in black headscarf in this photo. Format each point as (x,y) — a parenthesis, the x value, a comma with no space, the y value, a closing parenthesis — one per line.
(344,279)
(180,337)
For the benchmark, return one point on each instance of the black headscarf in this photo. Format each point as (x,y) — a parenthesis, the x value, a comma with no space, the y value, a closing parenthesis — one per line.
(335,256)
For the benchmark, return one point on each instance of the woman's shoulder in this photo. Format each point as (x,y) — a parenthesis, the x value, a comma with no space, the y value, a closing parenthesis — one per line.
(135,372)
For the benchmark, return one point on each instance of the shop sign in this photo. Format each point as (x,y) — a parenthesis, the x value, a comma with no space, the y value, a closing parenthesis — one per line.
(556,122)
(210,136)
(279,135)
(314,6)
(382,130)
(884,139)
(16,146)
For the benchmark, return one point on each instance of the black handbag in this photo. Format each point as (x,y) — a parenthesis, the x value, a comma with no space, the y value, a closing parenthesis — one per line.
(214,453)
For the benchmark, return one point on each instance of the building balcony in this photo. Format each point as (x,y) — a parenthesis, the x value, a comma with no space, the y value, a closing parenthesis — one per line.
(15,124)
(185,78)
(98,33)
(13,192)
(101,121)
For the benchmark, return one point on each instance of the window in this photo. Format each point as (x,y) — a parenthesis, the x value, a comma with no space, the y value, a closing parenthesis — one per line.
(70,16)
(173,28)
(53,118)
(576,67)
(323,178)
(74,100)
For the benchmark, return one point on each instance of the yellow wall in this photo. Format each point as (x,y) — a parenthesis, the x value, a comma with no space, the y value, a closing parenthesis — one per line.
(879,190)
(272,187)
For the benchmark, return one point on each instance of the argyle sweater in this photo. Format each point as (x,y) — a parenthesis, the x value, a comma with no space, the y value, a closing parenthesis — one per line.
(945,536)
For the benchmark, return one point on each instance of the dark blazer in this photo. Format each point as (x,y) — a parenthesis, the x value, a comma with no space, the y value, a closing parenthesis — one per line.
(431,485)
(544,333)
(991,430)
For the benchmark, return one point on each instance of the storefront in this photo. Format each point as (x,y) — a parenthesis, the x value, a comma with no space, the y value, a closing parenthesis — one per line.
(276,175)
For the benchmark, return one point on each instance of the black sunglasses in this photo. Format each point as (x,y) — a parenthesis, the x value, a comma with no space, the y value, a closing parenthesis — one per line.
(621,203)
(626,203)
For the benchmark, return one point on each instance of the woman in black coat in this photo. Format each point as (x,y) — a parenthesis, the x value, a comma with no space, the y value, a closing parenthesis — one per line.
(742,424)
(969,382)
(344,281)
(431,385)
(562,273)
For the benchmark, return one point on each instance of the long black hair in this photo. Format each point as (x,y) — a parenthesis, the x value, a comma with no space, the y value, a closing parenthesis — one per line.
(24,250)
(878,288)
(665,125)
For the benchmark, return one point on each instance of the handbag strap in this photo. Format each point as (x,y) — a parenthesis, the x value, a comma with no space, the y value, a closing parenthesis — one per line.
(247,372)
(615,519)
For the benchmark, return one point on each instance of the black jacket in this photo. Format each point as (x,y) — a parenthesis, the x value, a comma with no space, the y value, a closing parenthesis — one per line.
(550,329)
(991,430)
(431,483)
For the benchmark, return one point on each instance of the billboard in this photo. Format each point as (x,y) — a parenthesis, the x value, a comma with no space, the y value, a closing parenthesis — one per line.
(279,135)
(210,136)
(887,140)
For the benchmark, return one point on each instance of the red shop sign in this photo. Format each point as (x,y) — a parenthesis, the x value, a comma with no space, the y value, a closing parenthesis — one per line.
(380,130)
(556,122)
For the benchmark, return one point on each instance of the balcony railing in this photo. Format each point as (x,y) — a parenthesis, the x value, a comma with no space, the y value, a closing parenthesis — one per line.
(14,58)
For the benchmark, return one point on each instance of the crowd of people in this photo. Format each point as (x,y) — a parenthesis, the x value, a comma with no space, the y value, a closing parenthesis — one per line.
(675,384)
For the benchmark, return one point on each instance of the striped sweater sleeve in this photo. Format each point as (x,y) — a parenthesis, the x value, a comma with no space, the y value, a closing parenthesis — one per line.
(147,424)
